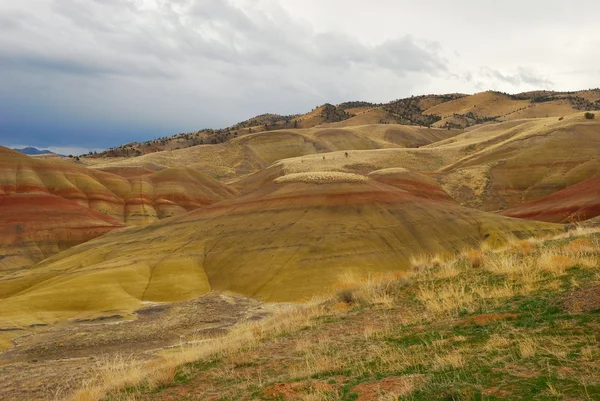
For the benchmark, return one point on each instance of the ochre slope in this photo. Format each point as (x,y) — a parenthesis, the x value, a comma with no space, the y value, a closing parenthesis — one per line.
(251,153)
(287,241)
(555,108)
(33,227)
(485,104)
(376,115)
(573,204)
(356,161)
(521,161)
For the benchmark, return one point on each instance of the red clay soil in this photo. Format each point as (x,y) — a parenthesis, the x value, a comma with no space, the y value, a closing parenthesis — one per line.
(24,217)
(291,391)
(575,203)
(584,299)
(391,386)
(429,191)
(486,318)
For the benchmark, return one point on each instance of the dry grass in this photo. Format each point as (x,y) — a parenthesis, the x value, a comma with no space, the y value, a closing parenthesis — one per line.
(453,359)
(528,346)
(527,247)
(119,372)
(497,342)
(371,289)
(321,177)
(474,258)
(473,282)
(525,266)
(162,372)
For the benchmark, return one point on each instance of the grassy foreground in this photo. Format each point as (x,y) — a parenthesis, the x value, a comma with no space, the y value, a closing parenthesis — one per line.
(517,323)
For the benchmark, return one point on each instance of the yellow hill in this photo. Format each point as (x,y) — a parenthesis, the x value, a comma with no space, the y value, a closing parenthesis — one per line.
(287,241)
(251,153)
(555,108)
(49,205)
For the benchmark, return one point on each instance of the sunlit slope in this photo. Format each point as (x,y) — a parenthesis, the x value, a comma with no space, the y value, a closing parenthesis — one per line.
(375,115)
(33,227)
(521,161)
(287,241)
(131,198)
(484,104)
(251,153)
(576,203)
(555,108)
(495,106)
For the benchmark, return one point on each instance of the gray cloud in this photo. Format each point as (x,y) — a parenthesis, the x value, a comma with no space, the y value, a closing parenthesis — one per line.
(90,71)
(521,76)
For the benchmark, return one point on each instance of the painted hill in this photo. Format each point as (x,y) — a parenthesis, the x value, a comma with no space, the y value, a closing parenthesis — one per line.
(34,227)
(575,203)
(286,241)
(520,161)
(133,197)
(418,184)
(49,205)
(489,167)
(277,208)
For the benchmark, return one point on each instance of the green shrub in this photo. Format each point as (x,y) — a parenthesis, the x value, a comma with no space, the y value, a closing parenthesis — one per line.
(589,116)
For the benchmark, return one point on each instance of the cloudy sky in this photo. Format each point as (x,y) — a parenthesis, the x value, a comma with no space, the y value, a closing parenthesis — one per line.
(90,74)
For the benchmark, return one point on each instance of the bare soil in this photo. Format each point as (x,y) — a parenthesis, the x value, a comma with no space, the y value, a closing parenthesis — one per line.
(44,364)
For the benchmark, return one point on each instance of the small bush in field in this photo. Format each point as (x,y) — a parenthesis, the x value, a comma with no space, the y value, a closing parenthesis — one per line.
(347,295)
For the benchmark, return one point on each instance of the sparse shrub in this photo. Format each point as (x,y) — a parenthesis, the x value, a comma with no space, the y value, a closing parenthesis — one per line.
(474,258)
(347,295)
(526,247)
(162,375)
(401,283)
(589,116)
(554,263)
(580,247)
(424,263)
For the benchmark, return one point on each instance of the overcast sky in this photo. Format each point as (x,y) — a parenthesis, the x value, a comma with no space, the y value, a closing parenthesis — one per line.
(90,74)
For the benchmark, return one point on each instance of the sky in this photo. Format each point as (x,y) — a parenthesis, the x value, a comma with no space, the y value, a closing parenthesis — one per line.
(80,75)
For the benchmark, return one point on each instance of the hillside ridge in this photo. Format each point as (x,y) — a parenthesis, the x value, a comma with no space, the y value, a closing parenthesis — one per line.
(422,110)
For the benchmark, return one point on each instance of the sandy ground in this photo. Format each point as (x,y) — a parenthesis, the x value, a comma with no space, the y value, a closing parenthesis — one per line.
(44,365)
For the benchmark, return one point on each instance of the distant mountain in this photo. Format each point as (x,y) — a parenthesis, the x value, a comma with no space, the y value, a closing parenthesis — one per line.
(34,151)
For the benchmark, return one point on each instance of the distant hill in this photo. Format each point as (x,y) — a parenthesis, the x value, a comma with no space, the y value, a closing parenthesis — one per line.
(449,111)
(31,151)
